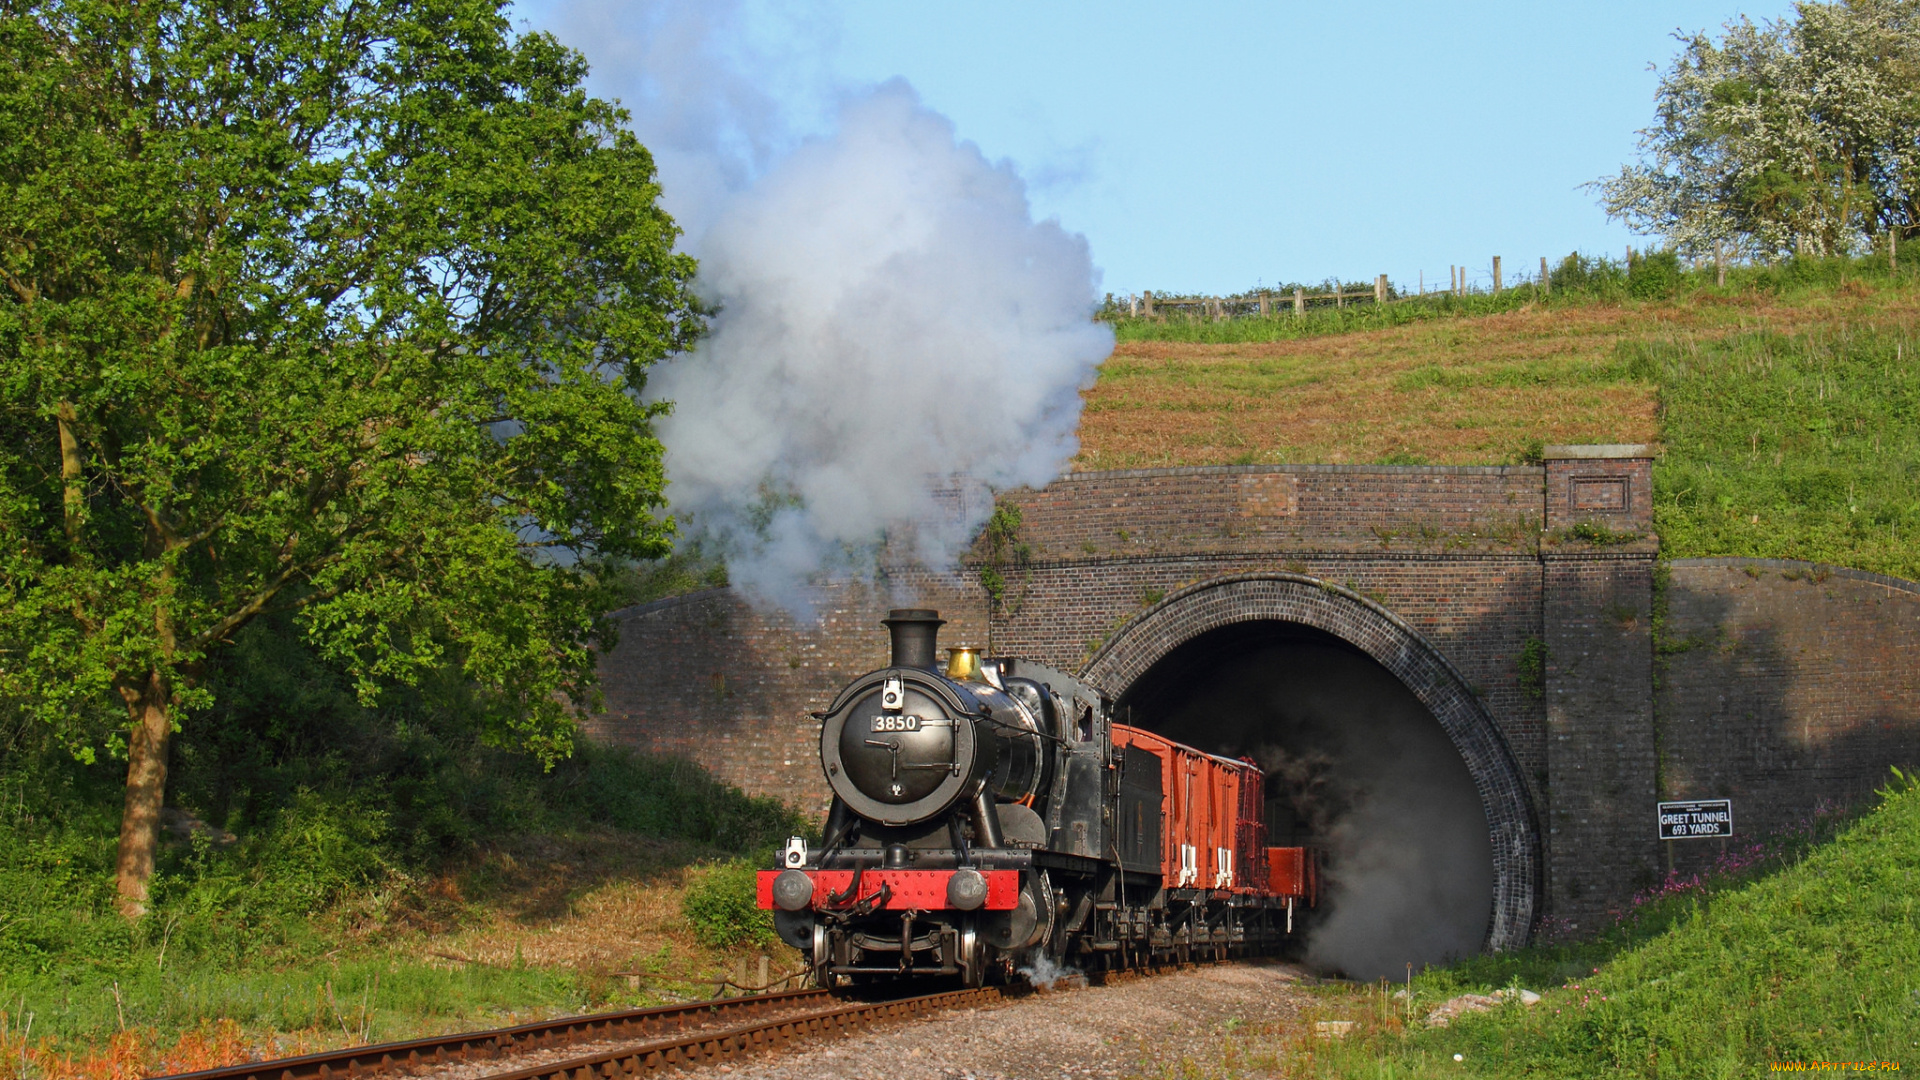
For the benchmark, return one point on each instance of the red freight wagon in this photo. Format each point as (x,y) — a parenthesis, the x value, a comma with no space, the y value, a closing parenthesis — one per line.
(1212,836)
(1293,871)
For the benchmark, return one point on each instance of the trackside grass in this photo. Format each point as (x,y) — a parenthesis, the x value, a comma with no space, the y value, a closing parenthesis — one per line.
(323,924)
(1811,955)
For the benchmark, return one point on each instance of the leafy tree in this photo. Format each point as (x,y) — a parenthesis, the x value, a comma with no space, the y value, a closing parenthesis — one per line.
(338,307)
(1801,135)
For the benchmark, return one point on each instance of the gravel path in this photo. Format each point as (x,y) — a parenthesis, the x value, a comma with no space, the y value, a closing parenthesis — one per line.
(1121,1031)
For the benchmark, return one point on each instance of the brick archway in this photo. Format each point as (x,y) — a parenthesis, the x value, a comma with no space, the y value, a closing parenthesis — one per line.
(1512,824)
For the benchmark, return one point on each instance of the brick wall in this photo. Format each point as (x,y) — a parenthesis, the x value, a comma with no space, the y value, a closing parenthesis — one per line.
(1786,685)
(1597,628)
(721,681)
(1608,486)
(1266,508)
(1478,611)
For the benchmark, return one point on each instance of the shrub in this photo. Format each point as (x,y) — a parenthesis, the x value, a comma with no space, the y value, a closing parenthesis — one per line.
(1532,665)
(720,906)
(1586,273)
(1654,276)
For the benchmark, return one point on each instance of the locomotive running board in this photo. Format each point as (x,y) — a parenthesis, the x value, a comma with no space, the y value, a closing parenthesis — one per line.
(1072,864)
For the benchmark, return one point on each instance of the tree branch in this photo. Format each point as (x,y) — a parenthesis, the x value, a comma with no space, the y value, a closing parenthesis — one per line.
(254,605)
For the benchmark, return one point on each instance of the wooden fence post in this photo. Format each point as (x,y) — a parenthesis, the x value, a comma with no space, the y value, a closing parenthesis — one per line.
(1266,305)
(1339,294)
(1496,273)
(1299,301)
(1380,289)
(1147,302)
(1546,279)
(1719,264)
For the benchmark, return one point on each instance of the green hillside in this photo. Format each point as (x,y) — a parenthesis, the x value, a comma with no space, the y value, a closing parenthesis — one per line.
(1787,402)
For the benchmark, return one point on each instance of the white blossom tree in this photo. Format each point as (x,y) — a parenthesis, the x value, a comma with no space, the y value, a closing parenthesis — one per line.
(1801,135)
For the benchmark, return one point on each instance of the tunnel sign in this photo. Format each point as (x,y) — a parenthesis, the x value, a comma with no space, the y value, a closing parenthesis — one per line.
(1704,819)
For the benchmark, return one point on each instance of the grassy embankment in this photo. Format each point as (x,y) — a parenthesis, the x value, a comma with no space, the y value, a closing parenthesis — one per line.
(1785,402)
(1811,953)
(369,873)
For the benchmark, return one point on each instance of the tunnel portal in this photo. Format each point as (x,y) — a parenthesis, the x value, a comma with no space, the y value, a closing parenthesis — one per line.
(1357,766)
(1352,703)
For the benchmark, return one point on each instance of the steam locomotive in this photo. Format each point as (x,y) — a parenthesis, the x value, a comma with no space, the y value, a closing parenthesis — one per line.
(988,814)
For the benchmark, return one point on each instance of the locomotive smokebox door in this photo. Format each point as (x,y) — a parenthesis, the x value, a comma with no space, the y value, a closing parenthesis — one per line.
(900,746)
(897,756)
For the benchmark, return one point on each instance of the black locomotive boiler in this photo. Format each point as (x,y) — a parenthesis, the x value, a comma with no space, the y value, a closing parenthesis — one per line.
(988,813)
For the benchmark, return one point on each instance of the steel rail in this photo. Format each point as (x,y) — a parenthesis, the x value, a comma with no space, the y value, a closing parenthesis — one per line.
(653,1039)
(710,1046)
(632,1024)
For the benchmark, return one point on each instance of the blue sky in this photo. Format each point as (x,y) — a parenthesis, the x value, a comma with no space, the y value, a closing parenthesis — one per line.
(1212,146)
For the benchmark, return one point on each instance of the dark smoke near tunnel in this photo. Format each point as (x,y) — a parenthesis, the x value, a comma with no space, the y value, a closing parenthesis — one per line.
(1355,764)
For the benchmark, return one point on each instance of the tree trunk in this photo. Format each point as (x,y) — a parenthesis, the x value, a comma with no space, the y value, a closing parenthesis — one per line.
(147,704)
(75,494)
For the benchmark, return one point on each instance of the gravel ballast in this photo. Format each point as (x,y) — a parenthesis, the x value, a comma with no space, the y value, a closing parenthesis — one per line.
(1130,1029)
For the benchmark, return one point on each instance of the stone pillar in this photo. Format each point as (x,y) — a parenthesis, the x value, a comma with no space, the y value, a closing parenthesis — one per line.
(1597,563)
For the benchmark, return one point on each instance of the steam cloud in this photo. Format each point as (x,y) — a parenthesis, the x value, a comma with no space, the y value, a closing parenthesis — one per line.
(1357,765)
(896,337)
(1042,973)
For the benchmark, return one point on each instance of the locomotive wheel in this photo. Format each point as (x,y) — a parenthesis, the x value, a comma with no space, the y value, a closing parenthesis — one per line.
(822,956)
(973,954)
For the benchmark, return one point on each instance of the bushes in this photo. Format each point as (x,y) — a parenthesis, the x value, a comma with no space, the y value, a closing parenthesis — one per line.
(1654,276)
(1577,280)
(1595,275)
(404,783)
(309,798)
(720,906)
(668,797)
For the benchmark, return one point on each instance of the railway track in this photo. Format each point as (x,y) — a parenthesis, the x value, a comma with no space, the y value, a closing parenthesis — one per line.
(643,1040)
(633,1042)
(662,1024)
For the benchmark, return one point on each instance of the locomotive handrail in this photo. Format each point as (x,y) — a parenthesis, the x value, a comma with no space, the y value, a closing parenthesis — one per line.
(926,680)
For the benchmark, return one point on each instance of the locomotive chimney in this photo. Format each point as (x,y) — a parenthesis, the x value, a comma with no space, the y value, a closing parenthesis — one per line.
(914,631)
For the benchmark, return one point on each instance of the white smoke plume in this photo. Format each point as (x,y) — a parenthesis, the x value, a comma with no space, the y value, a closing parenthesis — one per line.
(892,321)
(1042,973)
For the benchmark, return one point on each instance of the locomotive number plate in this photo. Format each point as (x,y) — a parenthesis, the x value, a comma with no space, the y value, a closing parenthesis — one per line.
(908,722)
